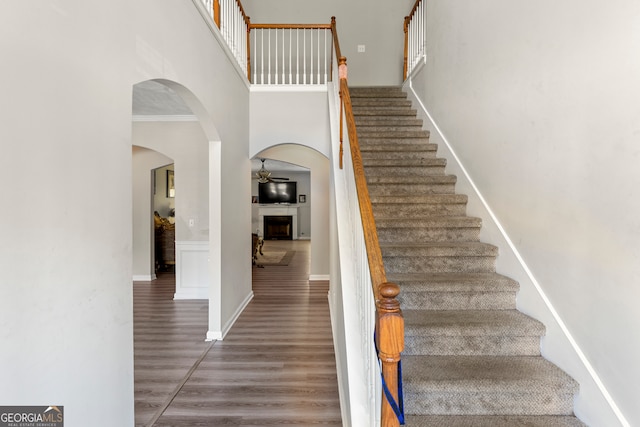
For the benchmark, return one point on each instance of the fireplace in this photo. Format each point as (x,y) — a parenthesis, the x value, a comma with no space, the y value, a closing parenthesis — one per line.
(278,227)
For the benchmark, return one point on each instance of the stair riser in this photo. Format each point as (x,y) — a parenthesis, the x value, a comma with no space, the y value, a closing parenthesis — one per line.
(497,403)
(362,121)
(425,170)
(392,92)
(364,103)
(407,133)
(388,112)
(428,234)
(457,300)
(375,144)
(418,210)
(414,163)
(409,189)
(472,346)
(453,264)
(396,155)
(395,127)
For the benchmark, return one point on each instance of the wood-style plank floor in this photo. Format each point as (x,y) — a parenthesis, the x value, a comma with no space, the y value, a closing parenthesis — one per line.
(275,367)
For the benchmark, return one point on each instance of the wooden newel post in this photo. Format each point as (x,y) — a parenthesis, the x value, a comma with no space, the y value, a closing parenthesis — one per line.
(390,341)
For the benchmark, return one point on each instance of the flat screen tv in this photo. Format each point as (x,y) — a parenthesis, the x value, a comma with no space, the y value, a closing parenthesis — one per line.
(277,192)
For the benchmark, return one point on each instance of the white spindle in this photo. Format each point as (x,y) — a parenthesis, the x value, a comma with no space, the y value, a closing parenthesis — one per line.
(326,58)
(290,54)
(262,56)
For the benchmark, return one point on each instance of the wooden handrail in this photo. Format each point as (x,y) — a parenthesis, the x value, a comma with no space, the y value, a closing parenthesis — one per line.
(414,9)
(291,26)
(389,319)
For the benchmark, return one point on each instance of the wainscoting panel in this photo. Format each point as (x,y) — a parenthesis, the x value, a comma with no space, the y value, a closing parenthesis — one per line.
(192,270)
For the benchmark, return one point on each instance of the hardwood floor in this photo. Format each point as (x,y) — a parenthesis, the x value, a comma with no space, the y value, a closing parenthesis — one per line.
(275,367)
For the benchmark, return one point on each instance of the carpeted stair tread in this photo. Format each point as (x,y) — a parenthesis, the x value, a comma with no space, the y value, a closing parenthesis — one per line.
(384,120)
(470,323)
(391,141)
(466,374)
(387,111)
(376,91)
(492,421)
(371,164)
(377,103)
(454,282)
(427,199)
(455,291)
(435,249)
(402,180)
(429,228)
(431,221)
(384,148)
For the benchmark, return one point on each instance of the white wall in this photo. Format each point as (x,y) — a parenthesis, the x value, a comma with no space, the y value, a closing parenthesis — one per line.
(65,293)
(540,103)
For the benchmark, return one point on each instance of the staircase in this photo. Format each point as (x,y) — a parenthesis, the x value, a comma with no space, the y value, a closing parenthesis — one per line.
(470,359)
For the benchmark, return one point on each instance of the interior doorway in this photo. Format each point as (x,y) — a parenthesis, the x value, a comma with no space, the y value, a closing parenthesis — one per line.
(164,219)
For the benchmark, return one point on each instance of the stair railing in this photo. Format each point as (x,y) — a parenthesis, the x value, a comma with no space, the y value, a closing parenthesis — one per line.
(274,54)
(290,54)
(233,23)
(415,37)
(387,332)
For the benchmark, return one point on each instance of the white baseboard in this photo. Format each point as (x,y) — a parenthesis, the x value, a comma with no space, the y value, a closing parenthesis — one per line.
(227,326)
(313,277)
(144,277)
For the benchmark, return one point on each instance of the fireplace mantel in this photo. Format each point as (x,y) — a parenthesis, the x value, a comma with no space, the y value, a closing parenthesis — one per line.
(278,210)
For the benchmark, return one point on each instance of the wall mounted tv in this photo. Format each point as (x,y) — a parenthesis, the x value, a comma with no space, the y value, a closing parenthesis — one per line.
(277,192)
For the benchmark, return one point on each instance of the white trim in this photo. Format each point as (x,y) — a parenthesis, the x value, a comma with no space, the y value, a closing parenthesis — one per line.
(547,302)
(227,326)
(164,118)
(144,277)
(313,277)
(344,403)
(192,269)
(288,88)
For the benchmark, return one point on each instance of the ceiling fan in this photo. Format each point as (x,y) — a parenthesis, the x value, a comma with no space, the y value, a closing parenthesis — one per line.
(263,175)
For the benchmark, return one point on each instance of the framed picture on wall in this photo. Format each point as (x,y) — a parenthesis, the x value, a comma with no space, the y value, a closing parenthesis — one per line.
(302,198)
(171,188)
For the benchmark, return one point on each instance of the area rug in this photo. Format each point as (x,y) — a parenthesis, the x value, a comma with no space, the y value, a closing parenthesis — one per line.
(273,258)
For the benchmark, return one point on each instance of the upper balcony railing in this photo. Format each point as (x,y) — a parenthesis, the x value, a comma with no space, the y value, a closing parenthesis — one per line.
(274,54)
(415,37)
(283,54)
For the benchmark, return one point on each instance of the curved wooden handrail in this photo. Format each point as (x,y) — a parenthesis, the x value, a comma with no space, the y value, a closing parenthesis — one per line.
(389,320)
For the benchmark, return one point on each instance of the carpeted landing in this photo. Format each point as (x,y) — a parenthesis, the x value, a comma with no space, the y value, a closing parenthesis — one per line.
(470,358)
